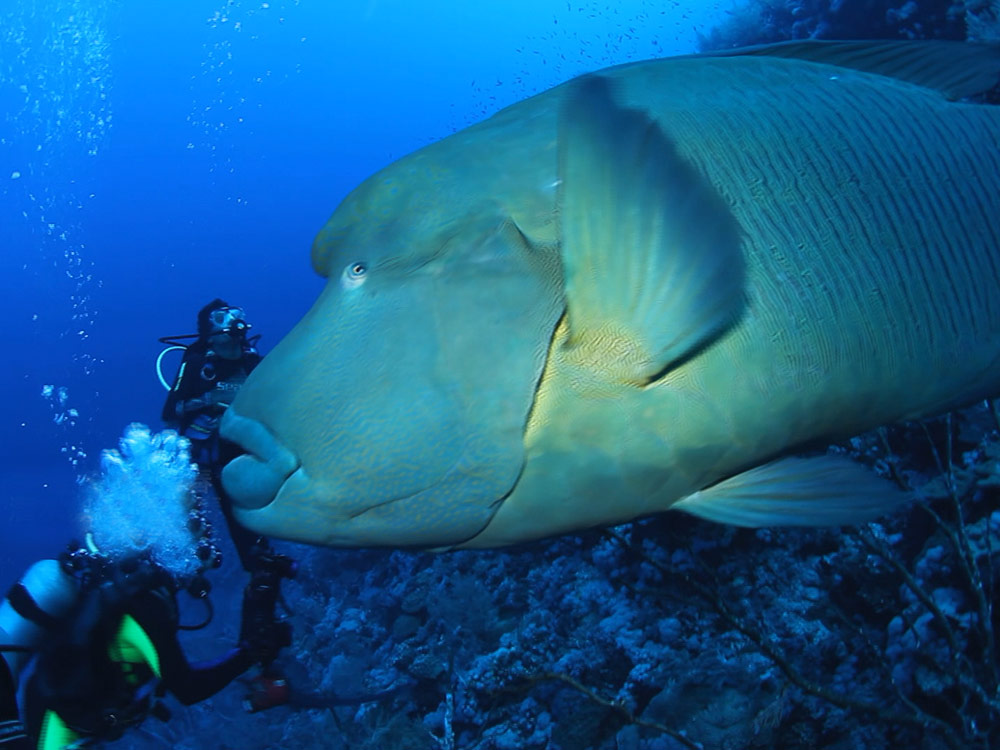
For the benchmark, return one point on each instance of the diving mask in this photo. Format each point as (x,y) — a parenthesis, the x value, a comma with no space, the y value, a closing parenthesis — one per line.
(230,320)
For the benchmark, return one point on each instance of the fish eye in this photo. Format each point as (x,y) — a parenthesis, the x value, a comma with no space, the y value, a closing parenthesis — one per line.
(354,275)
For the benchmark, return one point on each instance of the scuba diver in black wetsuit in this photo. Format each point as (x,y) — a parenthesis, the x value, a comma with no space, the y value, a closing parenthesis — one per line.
(91,638)
(211,373)
(104,637)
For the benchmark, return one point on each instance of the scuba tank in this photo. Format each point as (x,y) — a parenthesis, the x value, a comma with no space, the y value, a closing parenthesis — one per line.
(175,344)
(35,605)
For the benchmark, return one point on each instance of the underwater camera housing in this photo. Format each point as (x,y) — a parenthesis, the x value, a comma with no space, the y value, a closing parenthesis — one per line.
(84,563)
(265,561)
(262,629)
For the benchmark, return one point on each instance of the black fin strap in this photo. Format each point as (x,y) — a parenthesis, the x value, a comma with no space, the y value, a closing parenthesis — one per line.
(23,603)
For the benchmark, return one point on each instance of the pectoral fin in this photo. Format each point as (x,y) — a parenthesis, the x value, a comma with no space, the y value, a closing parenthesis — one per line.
(652,262)
(822,491)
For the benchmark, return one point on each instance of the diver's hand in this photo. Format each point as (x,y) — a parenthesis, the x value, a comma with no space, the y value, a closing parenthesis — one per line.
(201,403)
(213,402)
(220,399)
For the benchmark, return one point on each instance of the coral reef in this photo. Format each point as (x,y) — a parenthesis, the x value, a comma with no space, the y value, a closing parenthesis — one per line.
(766,21)
(667,633)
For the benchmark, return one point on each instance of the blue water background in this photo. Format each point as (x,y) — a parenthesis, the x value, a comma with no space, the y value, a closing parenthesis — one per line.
(154,156)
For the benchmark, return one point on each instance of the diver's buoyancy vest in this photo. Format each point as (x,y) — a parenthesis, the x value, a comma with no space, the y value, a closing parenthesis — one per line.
(99,675)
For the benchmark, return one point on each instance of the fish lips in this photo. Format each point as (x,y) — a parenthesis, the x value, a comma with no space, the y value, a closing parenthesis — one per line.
(271,492)
(254,479)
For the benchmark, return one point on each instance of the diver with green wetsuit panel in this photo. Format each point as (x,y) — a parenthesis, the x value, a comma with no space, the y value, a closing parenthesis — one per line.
(91,639)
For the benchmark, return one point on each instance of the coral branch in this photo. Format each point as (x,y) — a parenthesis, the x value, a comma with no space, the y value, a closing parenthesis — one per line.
(626,715)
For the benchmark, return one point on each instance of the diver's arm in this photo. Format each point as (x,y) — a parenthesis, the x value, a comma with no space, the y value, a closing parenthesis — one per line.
(251,359)
(189,682)
(187,392)
(207,402)
(192,683)
(178,413)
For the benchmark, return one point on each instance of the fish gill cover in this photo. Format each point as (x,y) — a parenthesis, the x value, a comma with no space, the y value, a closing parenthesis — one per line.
(662,634)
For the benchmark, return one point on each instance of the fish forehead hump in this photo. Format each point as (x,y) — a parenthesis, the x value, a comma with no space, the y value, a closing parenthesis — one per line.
(503,167)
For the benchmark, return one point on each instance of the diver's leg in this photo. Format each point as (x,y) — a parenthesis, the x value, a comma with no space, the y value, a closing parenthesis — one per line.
(12,734)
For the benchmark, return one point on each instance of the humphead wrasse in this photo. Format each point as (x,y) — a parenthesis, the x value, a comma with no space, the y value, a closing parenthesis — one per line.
(644,289)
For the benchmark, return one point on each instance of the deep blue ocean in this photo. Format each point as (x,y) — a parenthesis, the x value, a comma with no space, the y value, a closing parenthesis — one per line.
(153,157)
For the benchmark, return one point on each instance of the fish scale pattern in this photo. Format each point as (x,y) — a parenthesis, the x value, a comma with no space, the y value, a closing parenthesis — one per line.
(868,207)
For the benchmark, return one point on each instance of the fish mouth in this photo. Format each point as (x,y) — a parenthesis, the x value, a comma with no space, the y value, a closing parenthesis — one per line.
(273,494)
(253,479)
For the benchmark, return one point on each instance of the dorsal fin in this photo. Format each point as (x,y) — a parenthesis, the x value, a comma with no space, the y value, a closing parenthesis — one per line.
(956,69)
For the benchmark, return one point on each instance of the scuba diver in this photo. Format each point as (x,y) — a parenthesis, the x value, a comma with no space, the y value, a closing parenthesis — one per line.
(103,633)
(90,641)
(214,367)
(211,373)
